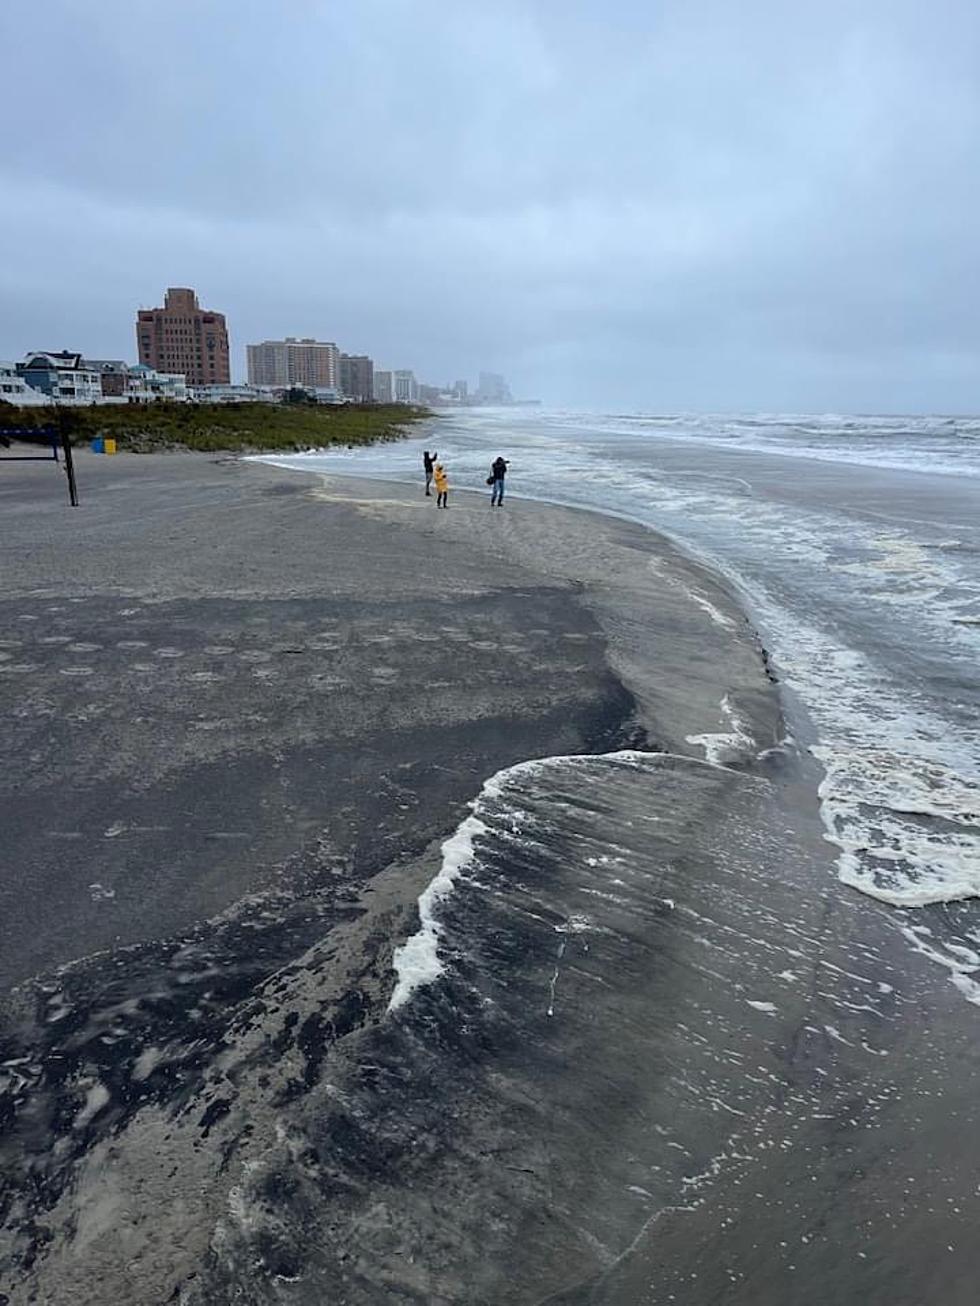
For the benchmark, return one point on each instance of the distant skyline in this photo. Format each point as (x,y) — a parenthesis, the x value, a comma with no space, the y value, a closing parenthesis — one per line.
(688,205)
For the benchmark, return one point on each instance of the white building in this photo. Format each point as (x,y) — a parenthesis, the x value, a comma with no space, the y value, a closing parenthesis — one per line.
(230,394)
(384,390)
(406,387)
(63,376)
(144,385)
(324,394)
(15,390)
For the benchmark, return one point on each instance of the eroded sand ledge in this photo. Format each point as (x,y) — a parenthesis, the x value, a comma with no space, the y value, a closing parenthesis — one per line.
(253,699)
(282,694)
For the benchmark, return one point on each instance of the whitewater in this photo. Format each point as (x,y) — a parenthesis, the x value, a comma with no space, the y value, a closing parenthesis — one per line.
(854,545)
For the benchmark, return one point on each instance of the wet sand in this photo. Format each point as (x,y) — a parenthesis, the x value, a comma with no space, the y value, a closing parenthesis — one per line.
(667,1060)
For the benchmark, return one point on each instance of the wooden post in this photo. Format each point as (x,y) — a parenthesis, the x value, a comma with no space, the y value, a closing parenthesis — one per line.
(62,417)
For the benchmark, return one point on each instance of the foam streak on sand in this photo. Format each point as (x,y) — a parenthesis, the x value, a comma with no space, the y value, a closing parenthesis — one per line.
(726,746)
(417,961)
(961,962)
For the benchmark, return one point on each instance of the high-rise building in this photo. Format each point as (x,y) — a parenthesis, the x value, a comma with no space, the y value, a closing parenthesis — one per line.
(406,387)
(384,388)
(493,389)
(182,337)
(266,363)
(294,361)
(460,389)
(357,377)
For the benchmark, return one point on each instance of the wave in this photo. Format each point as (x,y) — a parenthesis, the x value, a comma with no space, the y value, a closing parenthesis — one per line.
(927,446)
(416,962)
(588,1035)
(937,445)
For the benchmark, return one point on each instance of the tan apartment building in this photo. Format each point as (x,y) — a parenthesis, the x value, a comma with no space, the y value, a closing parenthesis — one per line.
(294,361)
(182,337)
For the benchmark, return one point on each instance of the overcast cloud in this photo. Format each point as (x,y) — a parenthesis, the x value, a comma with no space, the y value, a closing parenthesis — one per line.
(694,204)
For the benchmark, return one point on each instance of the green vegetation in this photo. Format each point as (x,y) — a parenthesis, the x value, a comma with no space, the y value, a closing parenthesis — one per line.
(214,428)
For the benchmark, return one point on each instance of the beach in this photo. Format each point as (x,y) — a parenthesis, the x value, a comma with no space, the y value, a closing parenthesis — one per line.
(404,906)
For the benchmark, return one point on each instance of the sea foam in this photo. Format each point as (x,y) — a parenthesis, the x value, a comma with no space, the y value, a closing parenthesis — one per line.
(417,961)
(734,744)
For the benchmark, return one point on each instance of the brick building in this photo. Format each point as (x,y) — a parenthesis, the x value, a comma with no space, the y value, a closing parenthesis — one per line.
(182,337)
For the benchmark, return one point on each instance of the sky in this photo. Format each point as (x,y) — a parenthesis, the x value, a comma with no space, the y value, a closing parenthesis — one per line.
(623,205)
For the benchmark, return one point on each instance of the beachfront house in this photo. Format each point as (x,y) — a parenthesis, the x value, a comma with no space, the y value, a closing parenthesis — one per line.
(63,376)
(15,390)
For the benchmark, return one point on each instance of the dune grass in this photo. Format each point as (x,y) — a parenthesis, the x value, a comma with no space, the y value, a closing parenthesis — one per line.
(216,428)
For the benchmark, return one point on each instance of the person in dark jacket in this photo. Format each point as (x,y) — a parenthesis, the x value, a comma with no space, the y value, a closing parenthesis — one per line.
(497,473)
(428,462)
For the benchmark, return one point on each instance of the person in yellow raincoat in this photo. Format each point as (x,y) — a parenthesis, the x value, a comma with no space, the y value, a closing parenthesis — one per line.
(442,486)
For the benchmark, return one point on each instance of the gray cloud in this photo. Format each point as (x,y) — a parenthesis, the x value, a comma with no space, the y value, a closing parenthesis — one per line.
(676,205)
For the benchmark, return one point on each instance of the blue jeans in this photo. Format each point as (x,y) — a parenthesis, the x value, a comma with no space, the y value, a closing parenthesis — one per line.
(497,493)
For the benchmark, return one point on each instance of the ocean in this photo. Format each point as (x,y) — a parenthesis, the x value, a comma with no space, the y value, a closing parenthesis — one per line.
(854,545)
